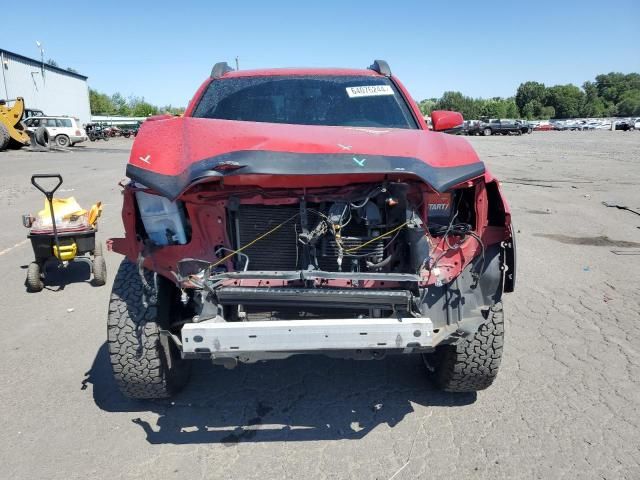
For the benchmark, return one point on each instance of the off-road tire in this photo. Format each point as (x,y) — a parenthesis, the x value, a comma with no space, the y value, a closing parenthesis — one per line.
(34,278)
(142,368)
(4,137)
(472,364)
(62,141)
(99,270)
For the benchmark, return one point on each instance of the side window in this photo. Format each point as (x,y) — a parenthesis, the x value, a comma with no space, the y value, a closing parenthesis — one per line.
(35,122)
(63,122)
(50,122)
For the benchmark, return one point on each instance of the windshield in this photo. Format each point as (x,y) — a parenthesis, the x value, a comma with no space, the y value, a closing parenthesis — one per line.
(354,101)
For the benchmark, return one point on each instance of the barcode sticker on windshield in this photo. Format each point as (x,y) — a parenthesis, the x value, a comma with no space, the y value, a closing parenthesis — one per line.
(369,91)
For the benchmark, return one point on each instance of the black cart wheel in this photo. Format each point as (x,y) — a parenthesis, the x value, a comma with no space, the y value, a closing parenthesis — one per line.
(34,278)
(99,271)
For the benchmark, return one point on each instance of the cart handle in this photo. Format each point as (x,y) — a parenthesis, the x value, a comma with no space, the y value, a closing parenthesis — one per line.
(47,193)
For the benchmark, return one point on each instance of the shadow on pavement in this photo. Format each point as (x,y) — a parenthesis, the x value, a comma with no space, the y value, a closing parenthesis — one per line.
(299,399)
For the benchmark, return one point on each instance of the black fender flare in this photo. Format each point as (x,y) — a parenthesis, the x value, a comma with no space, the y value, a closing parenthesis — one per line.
(463,304)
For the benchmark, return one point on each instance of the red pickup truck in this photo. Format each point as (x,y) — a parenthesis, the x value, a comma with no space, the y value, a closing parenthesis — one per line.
(294,211)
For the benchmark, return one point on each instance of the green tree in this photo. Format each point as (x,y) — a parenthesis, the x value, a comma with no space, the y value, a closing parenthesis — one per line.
(140,108)
(611,94)
(531,109)
(100,103)
(457,102)
(120,104)
(530,92)
(511,109)
(629,104)
(117,104)
(427,105)
(593,105)
(494,109)
(454,101)
(547,113)
(613,86)
(567,100)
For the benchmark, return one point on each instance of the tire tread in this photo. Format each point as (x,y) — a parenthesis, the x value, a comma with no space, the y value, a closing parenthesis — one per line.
(137,357)
(472,364)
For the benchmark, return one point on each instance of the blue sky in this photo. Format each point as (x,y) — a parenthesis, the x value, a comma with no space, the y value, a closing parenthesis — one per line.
(163,50)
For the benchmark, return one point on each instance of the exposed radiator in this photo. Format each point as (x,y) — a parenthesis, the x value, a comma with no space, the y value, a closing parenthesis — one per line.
(276,251)
(280,250)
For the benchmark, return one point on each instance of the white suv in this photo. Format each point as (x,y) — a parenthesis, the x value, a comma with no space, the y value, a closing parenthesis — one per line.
(65,131)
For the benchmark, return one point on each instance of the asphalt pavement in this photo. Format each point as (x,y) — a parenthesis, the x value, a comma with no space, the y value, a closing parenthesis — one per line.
(566,403)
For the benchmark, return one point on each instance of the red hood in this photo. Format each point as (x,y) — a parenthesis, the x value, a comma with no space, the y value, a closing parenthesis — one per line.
(186,147)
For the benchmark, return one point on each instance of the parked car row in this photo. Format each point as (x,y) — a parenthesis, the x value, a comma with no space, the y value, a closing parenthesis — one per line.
(498,126)
(588,124)
(486,127)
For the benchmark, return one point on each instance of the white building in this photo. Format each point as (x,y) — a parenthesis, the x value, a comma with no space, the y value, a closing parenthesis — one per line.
(53,90)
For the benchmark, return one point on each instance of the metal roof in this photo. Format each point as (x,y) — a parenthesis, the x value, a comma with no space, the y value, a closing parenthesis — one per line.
(46,65)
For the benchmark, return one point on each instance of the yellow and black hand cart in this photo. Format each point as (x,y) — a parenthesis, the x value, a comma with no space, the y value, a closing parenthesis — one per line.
(68,238)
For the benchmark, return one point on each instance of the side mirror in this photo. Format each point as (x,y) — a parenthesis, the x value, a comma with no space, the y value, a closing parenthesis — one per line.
(446,121)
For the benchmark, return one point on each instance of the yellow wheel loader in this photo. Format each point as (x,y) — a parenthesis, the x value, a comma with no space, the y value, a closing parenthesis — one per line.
(11,130)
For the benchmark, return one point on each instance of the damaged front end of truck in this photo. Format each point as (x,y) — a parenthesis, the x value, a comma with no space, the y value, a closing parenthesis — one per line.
(353,254)
(307,211)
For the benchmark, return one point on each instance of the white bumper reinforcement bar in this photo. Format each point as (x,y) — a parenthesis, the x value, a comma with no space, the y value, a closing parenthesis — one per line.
(306,335)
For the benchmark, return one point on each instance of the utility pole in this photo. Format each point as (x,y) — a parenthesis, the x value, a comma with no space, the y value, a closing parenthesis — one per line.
(39,45)
(237,64)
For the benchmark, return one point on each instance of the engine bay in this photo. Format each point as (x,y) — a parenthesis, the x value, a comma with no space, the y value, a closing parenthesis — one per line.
(372,228)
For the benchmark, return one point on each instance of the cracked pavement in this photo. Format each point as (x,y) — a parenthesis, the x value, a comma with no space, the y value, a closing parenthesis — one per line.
(565,405)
